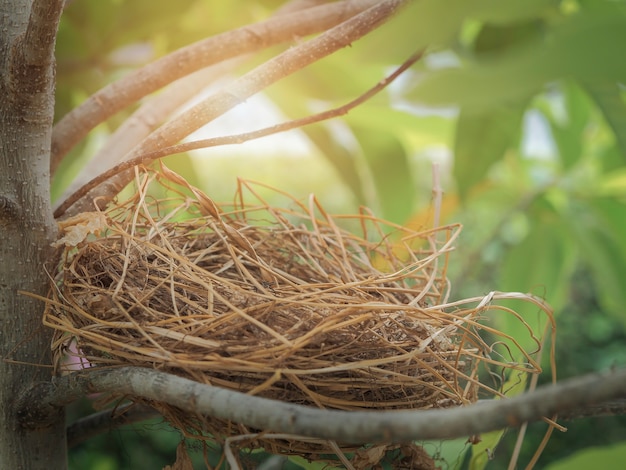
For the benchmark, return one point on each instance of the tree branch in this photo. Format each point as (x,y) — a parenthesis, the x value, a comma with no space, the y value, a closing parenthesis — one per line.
(595,410)
(40,37)
(31,71)
(159,108)
(116,96)
(356,427)
(79,196)
(268,73)
(142,122)
(254,81)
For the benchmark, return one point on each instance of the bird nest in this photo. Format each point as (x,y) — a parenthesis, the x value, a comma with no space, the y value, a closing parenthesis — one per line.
(288,303)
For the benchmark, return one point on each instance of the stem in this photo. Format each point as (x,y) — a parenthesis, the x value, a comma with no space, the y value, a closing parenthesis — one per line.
(134,86)
(357,427)
(40,37)
(159,108)
(79,198)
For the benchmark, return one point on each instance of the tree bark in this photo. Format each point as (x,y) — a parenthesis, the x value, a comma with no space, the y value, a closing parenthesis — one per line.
(26,226)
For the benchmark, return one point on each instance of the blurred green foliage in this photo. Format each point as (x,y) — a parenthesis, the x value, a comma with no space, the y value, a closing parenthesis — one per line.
(520,102)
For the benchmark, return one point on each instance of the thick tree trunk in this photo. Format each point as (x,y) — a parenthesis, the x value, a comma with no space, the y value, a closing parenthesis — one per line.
(26,227)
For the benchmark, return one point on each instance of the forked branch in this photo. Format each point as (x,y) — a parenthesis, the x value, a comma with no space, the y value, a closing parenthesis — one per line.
(156,110)
(254,81)
(145,159)
(41,31)
(126,91)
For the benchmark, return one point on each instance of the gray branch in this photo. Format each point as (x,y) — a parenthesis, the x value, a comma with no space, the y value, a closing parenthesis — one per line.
(107,420)
(41,32)
(594,410)
(355,427)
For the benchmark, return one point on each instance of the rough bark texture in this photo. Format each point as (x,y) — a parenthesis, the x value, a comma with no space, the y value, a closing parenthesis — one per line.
(27,30)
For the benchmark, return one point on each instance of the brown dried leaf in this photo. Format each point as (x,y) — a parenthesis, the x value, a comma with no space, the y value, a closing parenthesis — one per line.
(76,229)
(183,461)
(369,457)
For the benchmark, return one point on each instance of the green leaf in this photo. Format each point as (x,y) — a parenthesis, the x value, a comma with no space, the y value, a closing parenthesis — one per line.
(584,46)
(483,86)
(568,127)
(418,25)
(610,102)
(438,23)
(498,39)
(481,140)
(511,11)
(419,132)
(544,261)
(580,46)
(389,167)
(601,234)
(613,183)
(596,457)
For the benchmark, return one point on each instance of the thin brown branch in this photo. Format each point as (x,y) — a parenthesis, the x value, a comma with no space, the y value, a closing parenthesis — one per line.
(356,427)
(159,108)
(31,69)
(594,410)
(254,81)
(41,32)
(116,96)
(145,120)
(229,140)
(268,73)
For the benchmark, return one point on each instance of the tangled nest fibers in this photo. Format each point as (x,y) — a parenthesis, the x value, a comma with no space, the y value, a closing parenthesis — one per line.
(276,302)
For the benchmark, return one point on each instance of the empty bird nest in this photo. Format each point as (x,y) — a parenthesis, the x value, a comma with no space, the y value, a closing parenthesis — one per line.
(289,303)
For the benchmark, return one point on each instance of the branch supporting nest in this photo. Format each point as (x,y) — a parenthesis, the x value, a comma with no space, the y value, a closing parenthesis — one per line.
(352,426)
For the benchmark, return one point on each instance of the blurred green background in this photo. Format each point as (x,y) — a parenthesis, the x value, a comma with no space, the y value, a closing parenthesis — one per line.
(519,102)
